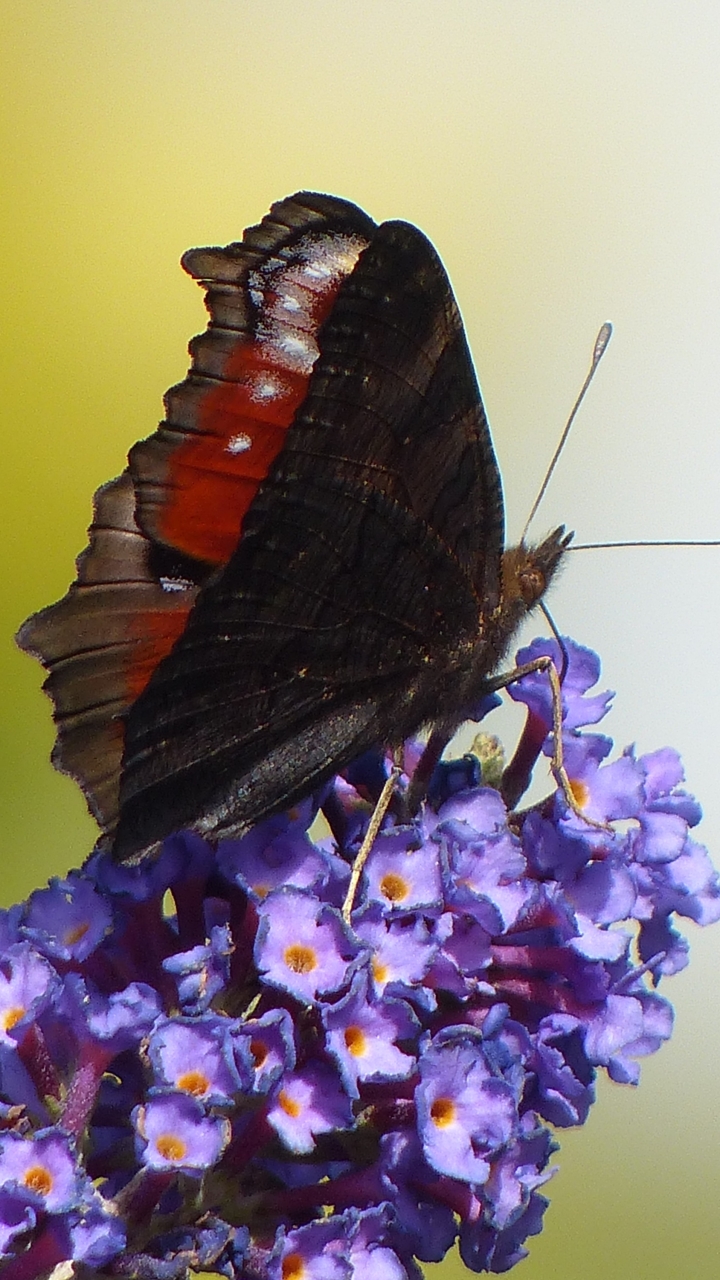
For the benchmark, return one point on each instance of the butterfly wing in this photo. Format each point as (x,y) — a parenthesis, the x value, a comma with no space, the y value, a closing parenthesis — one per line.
(300,555)
(159,533)
(100,643)
(367,566)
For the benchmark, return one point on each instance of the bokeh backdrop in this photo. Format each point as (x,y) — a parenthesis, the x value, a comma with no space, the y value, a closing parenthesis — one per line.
(564,158)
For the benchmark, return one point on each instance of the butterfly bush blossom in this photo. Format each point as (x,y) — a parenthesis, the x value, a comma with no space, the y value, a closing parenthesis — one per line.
(207,1063)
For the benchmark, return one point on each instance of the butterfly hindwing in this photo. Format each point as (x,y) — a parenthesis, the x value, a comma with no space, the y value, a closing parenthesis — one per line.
(101,642)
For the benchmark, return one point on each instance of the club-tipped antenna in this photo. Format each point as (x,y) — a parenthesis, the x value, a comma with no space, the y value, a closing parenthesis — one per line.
(598,351)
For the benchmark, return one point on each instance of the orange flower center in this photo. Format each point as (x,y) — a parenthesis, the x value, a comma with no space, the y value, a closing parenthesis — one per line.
(442,1112)
(12,1016)
(394,887)
(293,1267)
(288,1104)
(355,1041)
(39,1179)
(581,793)
(74,935)
(259,1051)
(300,959)
(171,1147)
(194,1082)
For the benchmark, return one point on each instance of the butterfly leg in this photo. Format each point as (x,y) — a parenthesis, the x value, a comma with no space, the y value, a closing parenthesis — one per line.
(517,775)
(363,853)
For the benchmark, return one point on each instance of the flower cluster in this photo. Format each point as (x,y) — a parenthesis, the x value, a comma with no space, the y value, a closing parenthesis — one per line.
(224,1060)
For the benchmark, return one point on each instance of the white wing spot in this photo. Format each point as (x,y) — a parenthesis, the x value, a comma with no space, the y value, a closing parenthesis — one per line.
(238,444)
(266,387)
(317,270)
(289,302)
(175,584)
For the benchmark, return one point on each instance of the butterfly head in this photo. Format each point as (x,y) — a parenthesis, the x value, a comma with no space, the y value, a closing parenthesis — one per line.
(527,571)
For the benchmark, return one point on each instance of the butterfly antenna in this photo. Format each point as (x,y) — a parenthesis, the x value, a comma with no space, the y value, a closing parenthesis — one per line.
(598,351)
(677,542)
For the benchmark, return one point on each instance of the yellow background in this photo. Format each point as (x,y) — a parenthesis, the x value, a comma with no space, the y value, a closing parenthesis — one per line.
(564,159)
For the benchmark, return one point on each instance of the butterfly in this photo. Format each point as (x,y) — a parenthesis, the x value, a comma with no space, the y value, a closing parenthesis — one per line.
(306,559)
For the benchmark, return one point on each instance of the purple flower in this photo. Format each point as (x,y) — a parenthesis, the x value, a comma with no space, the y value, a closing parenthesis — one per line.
(67,920)
(411,1185)
(18,1216)
(401,951)
(484,1248)
(117,1021)
(368,1243)
(277,853)
(303,946)
(174,1133)
(484,867)
(362,1036)
(466,1113)
(627,1026)
(563,1088)
(27,985)
(517,1172)
(44,1167)
(583,671)
(265,1048)
(604,792)
(316,1251)
(96,1235)
(195,1056)
(203,971)
(308,1103)
(403,878)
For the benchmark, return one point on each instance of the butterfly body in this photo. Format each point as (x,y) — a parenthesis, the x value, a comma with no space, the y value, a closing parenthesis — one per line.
(306,559)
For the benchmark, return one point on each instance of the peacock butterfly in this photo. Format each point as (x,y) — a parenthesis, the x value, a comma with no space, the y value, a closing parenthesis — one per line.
(306,558)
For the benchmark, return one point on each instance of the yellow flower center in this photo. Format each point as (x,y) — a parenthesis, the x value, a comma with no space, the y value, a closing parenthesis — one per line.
(394,887)
(171,1147)
(75,935)
(39,1179)
(355,1041)
(194,1082)
(442,1112)
(300,959)
(581,793)
(288,1104)
(293,1267)
(12,1016)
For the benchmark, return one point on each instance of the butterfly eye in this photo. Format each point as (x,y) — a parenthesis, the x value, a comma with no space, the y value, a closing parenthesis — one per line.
(532,583)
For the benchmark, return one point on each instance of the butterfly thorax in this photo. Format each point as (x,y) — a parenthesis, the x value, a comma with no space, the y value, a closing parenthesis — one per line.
(526,574)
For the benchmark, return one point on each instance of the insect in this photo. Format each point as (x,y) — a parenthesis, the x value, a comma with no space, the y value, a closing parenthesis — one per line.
(307,557)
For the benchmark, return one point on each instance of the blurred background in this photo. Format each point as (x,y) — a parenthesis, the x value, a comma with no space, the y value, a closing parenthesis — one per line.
(564,158)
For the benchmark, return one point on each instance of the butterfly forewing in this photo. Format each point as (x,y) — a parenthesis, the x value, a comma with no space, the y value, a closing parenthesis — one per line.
(324,483)
(355,577)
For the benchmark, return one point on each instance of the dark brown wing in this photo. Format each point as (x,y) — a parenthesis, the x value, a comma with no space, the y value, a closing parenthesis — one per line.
(101,641)
(156,536)
(367,568)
